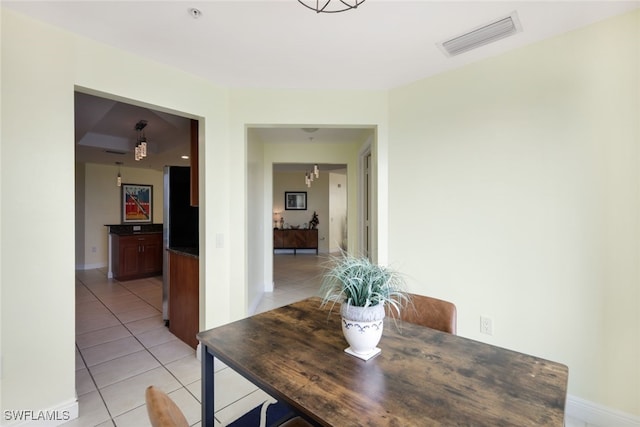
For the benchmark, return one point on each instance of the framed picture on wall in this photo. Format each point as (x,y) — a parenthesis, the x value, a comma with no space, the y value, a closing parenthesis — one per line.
(137,203)
(295,200)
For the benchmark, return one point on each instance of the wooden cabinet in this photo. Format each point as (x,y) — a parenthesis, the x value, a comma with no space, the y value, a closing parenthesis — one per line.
(184,297)
(136,256)
(295,239)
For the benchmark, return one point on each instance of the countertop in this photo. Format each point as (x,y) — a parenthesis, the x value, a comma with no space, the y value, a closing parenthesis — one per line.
(133,229)
(184,251)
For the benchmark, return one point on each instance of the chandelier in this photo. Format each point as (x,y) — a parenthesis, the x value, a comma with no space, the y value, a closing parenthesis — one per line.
(310,175)
(331,6)
(141,141)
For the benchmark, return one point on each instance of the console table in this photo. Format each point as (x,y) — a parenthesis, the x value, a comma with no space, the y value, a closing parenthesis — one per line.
(295,239)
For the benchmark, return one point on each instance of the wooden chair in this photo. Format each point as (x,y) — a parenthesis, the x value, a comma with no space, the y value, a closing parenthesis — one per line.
(430,312)
(163,411)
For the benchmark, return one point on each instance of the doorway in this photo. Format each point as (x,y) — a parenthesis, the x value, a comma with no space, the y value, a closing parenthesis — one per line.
(297,145)
(107,131)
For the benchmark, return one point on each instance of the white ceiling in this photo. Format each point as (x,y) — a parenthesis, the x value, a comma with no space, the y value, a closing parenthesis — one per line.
(281,44)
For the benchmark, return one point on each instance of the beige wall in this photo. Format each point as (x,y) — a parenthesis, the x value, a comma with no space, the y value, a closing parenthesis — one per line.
(323,197)
(317,200)
(102,204)
(522,177)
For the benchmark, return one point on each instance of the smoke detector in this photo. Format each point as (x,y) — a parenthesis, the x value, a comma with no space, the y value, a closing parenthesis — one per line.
(481,36)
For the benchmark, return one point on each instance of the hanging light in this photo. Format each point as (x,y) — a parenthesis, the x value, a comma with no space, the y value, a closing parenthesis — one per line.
(143,146)
(141,141)
(331,6)
(119,177)
(310,176)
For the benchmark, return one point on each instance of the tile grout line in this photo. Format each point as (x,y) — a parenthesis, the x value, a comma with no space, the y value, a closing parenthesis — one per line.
(285,285)
(112,418)
(89,370)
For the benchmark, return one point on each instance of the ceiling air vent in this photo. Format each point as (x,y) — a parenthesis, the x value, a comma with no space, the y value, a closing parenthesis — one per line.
(481,36)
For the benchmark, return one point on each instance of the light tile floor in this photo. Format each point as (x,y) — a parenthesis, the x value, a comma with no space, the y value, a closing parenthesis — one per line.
(122,346)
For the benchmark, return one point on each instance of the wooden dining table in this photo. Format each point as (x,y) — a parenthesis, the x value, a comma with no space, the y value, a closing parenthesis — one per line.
(422,377)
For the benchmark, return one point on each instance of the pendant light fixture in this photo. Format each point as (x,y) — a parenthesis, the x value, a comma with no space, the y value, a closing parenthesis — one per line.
(119,177)
(330,6)
(309,176)
(141,141)
(315,172)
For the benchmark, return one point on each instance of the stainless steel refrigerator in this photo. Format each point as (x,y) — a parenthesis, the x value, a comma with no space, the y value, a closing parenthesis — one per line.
(180,222)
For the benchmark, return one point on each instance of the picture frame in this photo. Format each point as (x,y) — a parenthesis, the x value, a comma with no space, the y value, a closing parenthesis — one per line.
(295,200)
(136,203)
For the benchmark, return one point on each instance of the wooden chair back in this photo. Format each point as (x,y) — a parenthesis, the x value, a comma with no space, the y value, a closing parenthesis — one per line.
(430,312)
(162,410)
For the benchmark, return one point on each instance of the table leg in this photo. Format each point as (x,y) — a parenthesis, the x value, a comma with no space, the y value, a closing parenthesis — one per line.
(208,409)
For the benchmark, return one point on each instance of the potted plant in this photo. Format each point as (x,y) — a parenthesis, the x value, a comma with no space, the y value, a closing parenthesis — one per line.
(366,291)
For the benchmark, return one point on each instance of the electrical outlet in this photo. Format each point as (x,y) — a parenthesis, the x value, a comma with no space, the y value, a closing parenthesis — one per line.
(486,325)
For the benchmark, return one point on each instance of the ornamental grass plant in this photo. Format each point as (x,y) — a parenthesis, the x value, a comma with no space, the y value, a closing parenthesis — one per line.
(356,281)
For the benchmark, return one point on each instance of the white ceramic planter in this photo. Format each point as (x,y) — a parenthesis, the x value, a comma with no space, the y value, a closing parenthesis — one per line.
(362,328)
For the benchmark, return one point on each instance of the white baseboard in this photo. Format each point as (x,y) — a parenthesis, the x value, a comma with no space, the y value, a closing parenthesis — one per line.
(91,266)
(594,414)
(51,417)
(254,307)
(268,287)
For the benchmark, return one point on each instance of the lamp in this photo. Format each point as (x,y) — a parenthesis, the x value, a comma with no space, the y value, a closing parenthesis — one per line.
(119,177)
(275,219)
(330,6)
(141,141)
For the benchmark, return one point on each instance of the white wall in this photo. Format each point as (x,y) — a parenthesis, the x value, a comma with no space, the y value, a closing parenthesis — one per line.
(256,199)
(105,70)
(38,208)
(102,205)
(515,194)
(37,170)
(337,211)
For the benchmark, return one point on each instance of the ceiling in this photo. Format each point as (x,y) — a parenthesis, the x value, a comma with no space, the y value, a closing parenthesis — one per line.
(281,44)
(105,134)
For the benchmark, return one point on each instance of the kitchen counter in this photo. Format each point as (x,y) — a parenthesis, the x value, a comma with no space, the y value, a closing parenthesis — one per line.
(132,229)
(184,294)
(147,248)
(189,252)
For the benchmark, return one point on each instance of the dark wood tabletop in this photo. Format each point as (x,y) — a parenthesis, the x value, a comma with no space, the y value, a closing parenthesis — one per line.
(422,377)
